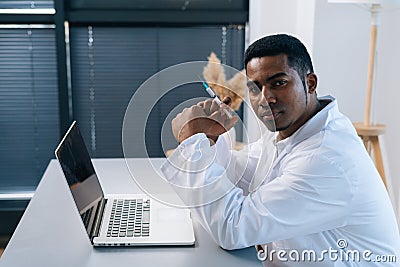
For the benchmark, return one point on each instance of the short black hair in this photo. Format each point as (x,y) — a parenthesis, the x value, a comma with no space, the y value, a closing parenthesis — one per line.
(273,45)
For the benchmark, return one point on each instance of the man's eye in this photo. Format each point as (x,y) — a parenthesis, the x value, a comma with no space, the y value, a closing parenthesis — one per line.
(254,89)
(280,83)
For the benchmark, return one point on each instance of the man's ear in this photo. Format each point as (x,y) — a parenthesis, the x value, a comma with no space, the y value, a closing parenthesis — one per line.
(312,82)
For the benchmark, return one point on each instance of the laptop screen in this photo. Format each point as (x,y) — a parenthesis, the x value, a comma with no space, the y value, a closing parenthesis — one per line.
(78,169)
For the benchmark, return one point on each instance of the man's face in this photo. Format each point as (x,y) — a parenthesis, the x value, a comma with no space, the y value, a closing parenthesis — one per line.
(277,94)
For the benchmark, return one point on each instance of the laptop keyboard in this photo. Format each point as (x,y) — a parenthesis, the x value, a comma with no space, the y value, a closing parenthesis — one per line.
(129,218)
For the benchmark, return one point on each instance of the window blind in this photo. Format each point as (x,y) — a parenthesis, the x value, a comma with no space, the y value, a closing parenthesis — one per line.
(109,63)
(28,105)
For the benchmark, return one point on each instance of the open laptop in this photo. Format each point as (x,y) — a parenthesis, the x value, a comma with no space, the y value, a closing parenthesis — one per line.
(133,220)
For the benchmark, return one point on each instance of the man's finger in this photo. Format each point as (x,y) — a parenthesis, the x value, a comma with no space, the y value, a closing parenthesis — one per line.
(217,116)
(214,106)
(200,104)
(207,106)
(231,122)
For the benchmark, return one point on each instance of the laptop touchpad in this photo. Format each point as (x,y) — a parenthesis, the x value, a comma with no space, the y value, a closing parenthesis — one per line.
(171,215)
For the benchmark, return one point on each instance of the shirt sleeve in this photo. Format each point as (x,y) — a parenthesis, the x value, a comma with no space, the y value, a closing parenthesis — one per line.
(311,195)
(240,165)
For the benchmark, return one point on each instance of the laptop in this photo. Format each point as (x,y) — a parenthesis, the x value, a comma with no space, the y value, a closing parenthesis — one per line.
(126,220)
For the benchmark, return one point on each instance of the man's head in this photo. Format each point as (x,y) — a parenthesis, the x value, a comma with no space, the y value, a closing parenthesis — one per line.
(272,45)
(281,83)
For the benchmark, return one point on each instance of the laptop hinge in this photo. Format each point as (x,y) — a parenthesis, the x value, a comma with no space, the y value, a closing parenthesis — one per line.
(98,218)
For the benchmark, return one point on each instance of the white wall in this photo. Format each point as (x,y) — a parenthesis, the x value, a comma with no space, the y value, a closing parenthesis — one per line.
(341,55)
(387,90)
(337,36)
(341,45)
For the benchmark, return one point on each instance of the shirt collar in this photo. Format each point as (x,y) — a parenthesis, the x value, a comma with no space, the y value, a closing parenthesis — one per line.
(314,125)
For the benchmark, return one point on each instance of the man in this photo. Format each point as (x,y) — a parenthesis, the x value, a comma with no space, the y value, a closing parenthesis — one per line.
(311,194)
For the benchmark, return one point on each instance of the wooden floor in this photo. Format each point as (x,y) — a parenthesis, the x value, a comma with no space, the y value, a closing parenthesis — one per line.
(1,251)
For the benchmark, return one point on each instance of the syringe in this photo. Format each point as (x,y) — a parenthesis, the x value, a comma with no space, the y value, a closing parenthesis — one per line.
(216,98)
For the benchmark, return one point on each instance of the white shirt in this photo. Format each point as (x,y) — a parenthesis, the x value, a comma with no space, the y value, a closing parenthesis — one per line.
(299,196)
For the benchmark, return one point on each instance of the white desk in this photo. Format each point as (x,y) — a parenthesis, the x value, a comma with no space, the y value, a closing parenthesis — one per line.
(51,232)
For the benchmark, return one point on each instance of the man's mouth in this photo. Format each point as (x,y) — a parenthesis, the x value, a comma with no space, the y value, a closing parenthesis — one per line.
(270,115)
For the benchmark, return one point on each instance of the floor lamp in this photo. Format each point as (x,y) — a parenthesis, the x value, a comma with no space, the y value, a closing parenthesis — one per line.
(367,130)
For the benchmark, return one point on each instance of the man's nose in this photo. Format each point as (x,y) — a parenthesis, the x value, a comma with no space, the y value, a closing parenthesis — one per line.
(267,97)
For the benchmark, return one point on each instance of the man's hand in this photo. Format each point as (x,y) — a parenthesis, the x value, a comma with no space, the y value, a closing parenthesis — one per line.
(205,117)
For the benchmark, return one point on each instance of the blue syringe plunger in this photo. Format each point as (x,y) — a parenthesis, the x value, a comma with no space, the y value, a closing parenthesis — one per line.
(209,90)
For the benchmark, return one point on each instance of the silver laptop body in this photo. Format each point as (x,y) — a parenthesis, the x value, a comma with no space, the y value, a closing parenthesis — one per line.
(120,220)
